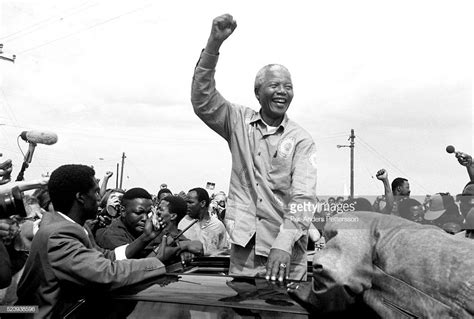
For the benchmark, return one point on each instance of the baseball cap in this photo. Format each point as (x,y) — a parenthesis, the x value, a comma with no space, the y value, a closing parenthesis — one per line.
(436,207)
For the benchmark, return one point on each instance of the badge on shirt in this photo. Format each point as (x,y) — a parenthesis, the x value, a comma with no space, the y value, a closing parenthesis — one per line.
(286,147)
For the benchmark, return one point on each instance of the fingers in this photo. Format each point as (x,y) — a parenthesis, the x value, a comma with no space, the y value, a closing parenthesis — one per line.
(273,268)
(225,24)
(162,248)
(186,257)
(292,286)
(6,164)
(5,171)
(283,272)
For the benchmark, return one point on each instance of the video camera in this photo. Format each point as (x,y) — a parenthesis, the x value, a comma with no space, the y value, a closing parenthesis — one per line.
(11,203)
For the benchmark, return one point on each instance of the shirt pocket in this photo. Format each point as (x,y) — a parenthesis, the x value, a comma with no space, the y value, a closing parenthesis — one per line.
(279,174)
(232,210)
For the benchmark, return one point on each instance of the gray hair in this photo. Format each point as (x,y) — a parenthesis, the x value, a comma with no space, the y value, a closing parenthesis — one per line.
(260,77)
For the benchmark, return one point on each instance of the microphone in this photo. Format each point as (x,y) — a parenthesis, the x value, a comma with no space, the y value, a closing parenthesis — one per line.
(33,138)
(463,158)
(450,149)
(39,137)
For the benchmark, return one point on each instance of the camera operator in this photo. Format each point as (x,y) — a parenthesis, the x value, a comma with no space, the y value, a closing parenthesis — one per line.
(16,230)
(5,264)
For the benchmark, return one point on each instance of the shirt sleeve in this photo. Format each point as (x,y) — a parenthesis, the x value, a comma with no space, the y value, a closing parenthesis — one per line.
(302,203)
(208,103)
(73,262)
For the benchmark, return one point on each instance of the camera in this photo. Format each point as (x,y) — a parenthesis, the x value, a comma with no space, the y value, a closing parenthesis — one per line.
(11,203)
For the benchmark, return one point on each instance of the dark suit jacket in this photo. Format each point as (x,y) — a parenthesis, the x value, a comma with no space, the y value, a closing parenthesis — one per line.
(65,265)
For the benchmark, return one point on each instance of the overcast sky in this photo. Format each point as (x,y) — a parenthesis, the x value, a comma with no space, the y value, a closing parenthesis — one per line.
(115,76)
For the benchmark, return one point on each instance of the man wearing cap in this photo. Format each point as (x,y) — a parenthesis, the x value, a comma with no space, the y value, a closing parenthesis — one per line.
(443,212)
(272,191)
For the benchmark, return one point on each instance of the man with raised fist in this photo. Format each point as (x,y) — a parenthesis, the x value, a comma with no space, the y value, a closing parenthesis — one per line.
(273,180)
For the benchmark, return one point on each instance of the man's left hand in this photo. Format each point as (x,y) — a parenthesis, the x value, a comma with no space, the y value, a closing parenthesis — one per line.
(278,265)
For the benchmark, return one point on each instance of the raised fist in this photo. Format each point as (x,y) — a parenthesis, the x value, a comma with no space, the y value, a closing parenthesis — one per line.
(382,174)
(222,27)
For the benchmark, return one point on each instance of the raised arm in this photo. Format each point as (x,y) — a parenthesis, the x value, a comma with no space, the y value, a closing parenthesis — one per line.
(207,102)
(466,160)
(103,186)
(382,175)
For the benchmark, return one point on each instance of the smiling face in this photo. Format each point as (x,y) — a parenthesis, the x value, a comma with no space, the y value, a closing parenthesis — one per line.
(135,213)
(274,91)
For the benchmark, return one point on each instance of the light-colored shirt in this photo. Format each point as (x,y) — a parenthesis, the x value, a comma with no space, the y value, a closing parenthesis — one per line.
(273,180)
(211,233)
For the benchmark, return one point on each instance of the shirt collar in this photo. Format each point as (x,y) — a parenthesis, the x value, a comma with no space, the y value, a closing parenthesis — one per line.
(66,217)
(257,117)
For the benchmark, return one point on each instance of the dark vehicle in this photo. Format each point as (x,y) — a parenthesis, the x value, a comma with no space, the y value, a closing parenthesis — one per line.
(201,290)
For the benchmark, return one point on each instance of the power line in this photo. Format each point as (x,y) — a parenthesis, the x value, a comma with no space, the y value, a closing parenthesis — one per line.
(370,148)
(44,22)
(85,29)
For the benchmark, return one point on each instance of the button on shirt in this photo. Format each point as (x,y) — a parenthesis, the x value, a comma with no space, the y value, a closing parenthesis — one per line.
(273,180)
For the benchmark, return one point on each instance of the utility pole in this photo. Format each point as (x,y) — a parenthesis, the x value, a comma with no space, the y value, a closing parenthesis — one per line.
(12,59)
(121,174)
(117,176)
(351,146)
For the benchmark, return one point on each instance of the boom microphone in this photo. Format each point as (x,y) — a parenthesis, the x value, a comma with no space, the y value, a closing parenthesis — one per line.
(38,137)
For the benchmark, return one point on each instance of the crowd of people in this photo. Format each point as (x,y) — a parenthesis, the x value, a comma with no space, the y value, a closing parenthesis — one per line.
(76,239)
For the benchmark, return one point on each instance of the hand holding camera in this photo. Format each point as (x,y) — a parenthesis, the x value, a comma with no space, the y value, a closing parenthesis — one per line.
(5,171)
